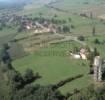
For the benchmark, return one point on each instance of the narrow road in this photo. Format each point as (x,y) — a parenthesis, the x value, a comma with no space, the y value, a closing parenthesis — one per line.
(67,38)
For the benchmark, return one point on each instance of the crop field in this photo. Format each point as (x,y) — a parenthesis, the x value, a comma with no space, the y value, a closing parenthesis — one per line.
(80,6)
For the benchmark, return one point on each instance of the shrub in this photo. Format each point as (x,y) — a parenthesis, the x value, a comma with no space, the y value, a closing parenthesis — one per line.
(72,26)
(96,41)
(29,75)
(81,38)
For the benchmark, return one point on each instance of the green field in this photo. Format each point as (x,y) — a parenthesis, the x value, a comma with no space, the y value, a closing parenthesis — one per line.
(54,65)
(76,4)
(100,47)
(83,26)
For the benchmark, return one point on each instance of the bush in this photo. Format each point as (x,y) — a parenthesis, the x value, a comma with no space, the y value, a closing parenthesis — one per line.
(96,41)
(29,75)
(1,28)
(72,26)
(66,29)
(81,38)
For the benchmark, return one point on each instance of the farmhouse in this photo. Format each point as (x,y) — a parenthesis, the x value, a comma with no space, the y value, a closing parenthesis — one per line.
(82,54)
(102,17)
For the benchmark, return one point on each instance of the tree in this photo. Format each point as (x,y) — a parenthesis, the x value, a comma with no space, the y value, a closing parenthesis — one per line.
(69,19)
(29,75)
(96,41)
(91,59)
(40,14)
(75,50)
(6,46)
(59,29)
(66,29)
(81,38)
(15,80)
(55,15)
(1,28)
(95,52)
(94,31)
(72,26)
(91,15)
(38,92)
(4,54)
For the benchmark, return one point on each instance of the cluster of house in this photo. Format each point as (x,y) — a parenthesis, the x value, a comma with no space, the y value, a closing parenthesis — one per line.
(82,54)
(97,62)
(44,27)
(9,18)
(28,23)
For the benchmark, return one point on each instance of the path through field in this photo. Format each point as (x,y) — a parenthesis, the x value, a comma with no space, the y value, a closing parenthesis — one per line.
(67,38)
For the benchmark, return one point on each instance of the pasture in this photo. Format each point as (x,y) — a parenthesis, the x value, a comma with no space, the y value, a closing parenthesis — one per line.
(54,65)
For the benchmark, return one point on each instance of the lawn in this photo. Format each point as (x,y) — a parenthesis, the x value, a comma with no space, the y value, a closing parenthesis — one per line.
(7,31)
(54,65)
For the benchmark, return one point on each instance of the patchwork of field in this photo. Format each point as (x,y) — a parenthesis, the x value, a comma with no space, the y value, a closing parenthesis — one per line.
(81,6)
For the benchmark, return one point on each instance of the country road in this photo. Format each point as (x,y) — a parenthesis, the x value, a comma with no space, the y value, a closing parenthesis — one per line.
(67,38)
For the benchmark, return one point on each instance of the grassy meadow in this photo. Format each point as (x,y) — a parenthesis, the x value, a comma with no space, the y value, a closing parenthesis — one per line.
(54,65)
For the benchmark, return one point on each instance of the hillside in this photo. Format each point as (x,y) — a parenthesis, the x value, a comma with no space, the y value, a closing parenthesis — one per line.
(80,6)
(50,43)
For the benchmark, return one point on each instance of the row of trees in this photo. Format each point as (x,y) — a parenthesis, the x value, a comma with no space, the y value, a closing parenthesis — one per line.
(64,29)
(90,93)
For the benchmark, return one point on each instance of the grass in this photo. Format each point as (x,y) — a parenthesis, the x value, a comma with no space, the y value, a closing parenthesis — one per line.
(53,64)
(67,4)
(54,68)
(83,26)
(100,47)
(7,31)
(4,88)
